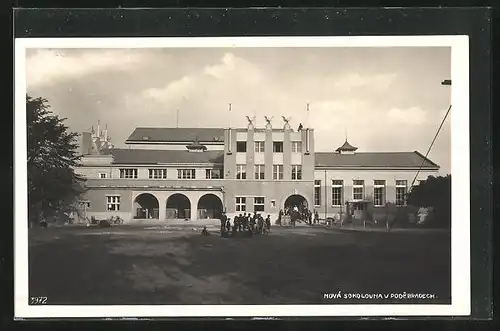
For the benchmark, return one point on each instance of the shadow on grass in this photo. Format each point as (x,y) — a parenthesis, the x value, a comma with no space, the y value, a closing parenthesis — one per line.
(134,266)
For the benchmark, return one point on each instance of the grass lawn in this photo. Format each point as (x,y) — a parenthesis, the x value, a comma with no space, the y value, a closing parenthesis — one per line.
(132,265)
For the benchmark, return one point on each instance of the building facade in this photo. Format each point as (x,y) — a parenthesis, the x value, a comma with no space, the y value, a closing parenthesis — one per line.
(194,173)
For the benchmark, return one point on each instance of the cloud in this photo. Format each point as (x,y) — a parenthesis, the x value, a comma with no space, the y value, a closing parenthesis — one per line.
(383,103)
(352,81)
(410,116)
(174,91)
(49,66)
(227,65)
(229,77)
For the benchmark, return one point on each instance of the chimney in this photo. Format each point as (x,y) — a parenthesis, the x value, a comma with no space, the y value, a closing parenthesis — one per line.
(86,143)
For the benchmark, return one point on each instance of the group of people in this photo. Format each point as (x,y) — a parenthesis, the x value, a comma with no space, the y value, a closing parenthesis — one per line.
(253,224)
(299,213)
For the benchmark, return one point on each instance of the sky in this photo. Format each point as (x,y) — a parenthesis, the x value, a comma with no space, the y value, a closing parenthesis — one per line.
(383,99)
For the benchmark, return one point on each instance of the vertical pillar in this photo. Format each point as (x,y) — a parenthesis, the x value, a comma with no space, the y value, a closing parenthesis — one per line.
(268,153)
(390,191)
(287,155)
(162,209)
(250,154)
(194,209)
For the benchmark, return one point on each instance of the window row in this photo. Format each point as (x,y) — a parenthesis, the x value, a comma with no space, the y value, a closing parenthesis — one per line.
(358,192)
(162,174)
(260,171)
(241,204)
(259,146)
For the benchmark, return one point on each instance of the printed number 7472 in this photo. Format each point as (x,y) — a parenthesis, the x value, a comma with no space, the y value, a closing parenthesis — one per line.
(38,300)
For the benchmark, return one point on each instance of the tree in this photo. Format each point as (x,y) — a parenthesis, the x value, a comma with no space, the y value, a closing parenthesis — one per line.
(434,192)
(52,156)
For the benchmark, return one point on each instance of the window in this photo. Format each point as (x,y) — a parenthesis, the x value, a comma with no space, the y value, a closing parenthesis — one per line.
(241,146)
(277,171)
(401,186)
(317,193)
(379,193)
(241,203)
(258,204)
(157,173)
(296,172)
(358,188)
(278,147)
(213,173)
(241,171)
(186,173)
(102,175)
(296,146)
(337,192)
(259,171)
(259,147)
(113,203)
(128,173)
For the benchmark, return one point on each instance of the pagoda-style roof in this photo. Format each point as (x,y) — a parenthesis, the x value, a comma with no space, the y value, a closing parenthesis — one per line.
(196,146)
(346,147)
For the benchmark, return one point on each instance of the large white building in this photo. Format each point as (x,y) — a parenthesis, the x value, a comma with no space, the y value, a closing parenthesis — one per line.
(192,173)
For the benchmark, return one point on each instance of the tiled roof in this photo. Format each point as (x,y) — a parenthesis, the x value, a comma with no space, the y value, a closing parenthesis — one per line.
(146,156)
(374,160)
(204,135)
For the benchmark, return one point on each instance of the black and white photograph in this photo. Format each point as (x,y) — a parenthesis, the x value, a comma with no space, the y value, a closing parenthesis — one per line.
(256,176)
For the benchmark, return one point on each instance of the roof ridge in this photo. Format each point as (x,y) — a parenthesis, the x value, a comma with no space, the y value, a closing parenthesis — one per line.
(177,128)
(400,152)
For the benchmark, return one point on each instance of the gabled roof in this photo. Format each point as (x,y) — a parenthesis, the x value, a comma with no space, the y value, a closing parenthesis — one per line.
(389,160)
(204,135)
(146,156)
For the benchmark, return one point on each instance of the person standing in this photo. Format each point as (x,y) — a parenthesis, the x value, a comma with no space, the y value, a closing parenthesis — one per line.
(245,221)
(240,222)
(252,224)
(223,221)
(260,224)
(268,223)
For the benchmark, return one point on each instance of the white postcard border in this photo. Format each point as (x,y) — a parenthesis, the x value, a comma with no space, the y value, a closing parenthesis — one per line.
(461,296)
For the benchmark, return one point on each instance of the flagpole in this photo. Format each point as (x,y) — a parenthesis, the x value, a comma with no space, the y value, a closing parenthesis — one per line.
(229,110)
(307,115)
(177,120)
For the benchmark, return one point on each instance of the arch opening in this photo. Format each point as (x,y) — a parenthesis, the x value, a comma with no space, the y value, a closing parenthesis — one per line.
(296,202)
(210,206)
(146,206)
(178,206)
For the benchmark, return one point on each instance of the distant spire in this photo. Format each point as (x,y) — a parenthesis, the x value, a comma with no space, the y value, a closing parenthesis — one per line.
(346,147)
